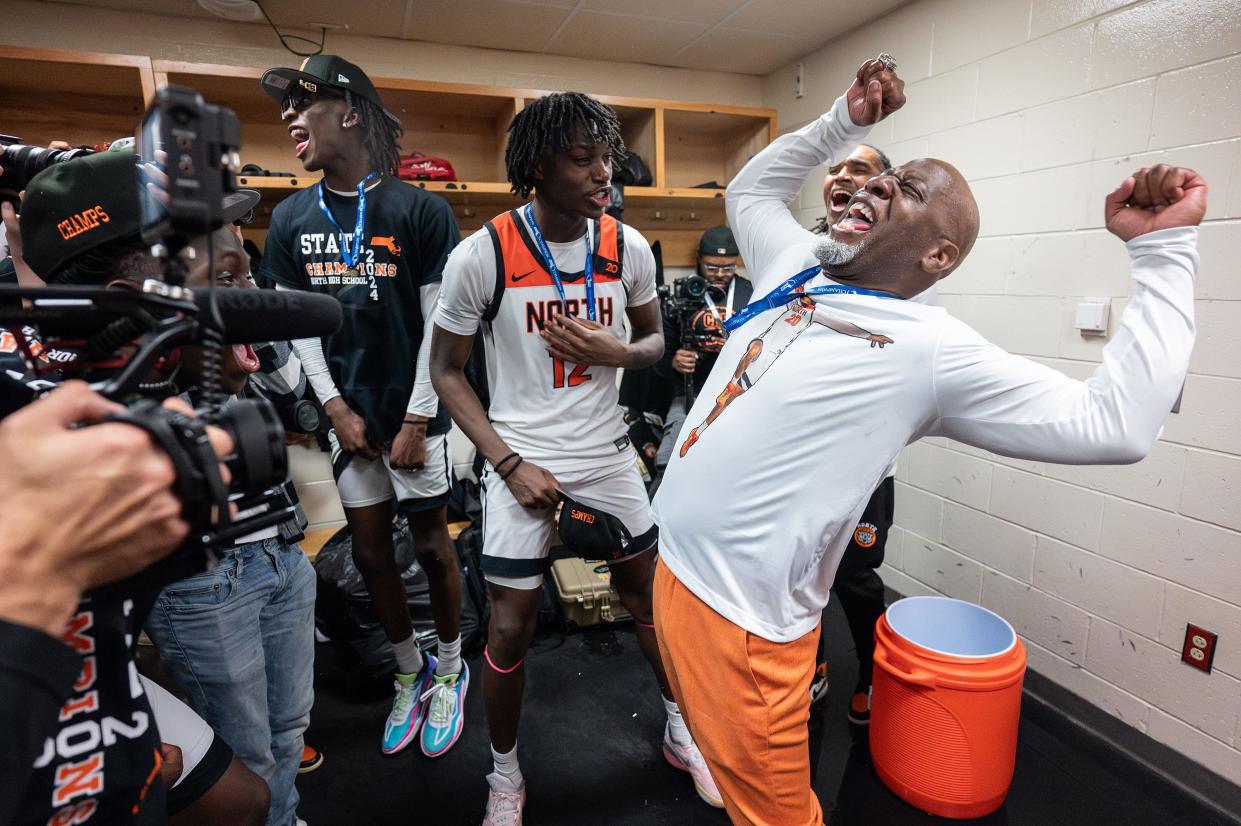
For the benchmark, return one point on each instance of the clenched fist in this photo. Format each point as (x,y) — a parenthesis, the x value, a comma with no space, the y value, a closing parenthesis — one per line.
(876,93)
(1155,198)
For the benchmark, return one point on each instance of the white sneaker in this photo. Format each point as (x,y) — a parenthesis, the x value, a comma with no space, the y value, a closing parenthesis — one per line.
(505,802)
(689,759)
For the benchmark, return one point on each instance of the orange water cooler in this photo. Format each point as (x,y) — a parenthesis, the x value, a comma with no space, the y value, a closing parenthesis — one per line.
(945,705)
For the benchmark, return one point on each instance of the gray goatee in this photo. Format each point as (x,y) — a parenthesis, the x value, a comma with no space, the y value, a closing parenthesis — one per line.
(832,253)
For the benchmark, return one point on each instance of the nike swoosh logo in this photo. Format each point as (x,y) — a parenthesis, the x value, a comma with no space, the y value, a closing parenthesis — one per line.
(517,278)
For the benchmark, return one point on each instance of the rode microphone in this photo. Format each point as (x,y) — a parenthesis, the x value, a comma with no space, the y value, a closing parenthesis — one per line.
(242,316)
(97,323)
(248,316)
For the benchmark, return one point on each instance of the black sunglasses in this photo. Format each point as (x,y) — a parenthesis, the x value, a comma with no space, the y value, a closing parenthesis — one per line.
(300,98)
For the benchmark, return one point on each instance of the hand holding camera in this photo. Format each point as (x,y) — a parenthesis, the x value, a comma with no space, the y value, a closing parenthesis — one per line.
(83,506)
(685,361)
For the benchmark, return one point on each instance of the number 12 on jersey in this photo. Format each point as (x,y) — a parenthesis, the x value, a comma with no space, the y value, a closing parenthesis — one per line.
(577,375)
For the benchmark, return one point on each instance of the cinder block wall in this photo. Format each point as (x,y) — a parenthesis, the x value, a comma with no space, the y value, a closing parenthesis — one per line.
(1045,106)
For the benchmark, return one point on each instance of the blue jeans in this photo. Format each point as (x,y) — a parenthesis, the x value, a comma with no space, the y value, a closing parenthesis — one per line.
(240,641)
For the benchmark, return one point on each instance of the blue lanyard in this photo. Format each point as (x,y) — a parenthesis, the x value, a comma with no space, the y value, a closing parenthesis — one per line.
(354,254)
(781,295)
(588,272)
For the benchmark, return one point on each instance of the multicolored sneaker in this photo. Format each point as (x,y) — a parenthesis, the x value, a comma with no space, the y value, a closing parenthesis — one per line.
(689,759)
(408,708)
(859,706)
(505,802)
(445,712)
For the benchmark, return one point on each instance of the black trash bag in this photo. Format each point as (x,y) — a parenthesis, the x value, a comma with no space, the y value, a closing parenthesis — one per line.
(474,585)
(465,502)
(343,605)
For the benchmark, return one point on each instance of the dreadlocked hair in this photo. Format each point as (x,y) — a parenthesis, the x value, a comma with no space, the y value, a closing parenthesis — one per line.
(380,136)
(550,125)
(127,258)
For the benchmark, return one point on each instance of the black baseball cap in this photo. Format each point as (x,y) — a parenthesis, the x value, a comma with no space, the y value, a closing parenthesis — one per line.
(717,241)
(74,207)
(323,70)
(591,533)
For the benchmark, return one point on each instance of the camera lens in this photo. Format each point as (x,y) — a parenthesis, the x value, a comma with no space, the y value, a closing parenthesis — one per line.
(259,460)
(695,286)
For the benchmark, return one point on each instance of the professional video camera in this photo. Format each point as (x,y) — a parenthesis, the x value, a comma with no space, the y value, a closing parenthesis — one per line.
(115,339)
(683,303)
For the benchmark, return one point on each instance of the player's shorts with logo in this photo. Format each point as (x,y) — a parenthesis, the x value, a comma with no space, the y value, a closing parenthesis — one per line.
(361,482)
(516,540)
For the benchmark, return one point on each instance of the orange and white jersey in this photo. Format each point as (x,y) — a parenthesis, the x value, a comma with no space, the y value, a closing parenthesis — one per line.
(551,412)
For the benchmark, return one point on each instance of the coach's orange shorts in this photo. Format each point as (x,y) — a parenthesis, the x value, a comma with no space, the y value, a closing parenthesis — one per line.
(747,703)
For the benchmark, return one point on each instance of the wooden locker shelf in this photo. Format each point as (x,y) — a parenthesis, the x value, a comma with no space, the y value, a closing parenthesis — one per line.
(90,98)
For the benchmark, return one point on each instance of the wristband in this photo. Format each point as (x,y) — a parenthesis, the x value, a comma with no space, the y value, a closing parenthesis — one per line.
(415,422)
(496,466)
(517,464)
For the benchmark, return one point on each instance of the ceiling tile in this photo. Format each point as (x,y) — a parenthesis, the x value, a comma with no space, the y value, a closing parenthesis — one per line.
(602,36)
(371,17)
(819,20)
(493,24)
(690,11)
(753,53)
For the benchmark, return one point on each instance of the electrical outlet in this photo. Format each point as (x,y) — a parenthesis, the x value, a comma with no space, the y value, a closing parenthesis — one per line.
(1199,648)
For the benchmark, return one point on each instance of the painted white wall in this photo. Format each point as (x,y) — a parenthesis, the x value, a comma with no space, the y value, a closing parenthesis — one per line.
(1045,106)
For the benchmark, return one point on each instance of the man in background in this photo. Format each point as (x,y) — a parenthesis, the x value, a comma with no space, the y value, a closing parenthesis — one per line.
(845,178)
(702,329)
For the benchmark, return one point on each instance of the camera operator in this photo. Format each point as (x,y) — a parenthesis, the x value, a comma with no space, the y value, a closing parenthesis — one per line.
(109,251)
(694,326)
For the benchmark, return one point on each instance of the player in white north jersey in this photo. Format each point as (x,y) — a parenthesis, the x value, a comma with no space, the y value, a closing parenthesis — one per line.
(549,285)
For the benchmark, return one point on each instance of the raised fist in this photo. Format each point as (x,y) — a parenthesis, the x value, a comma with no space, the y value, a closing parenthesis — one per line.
(1154,198)
(876,93)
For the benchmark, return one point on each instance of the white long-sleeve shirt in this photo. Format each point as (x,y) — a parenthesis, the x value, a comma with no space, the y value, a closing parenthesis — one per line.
(756,515)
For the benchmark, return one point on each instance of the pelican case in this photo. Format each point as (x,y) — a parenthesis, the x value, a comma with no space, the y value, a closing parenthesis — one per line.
(584,587)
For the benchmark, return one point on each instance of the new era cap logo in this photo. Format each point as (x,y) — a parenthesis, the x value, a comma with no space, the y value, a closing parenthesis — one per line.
(341,78)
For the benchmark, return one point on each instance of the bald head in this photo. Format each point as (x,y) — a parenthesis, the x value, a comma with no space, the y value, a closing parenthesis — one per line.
(905,229)
(955,207)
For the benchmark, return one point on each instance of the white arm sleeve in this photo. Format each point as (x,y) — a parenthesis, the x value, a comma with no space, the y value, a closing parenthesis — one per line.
(423,401)
(758,199)
(1010,405)
(314,363)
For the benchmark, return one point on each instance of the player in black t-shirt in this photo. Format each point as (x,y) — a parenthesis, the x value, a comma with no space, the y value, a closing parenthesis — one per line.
(379,246)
